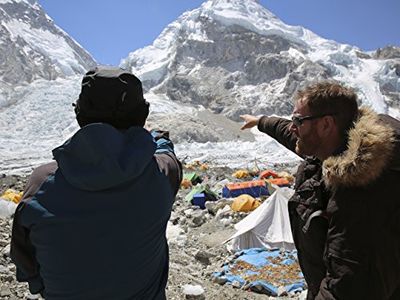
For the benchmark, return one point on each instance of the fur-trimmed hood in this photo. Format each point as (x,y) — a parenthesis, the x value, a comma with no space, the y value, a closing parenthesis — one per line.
(370,148)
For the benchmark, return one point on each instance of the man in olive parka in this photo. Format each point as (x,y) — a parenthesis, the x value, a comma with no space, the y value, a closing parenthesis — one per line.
(345,213)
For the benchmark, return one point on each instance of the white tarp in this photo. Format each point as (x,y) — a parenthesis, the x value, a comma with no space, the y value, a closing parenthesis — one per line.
(7,208)
(268,226)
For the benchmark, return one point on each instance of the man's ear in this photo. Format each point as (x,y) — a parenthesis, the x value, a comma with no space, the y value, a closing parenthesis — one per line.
(327,126)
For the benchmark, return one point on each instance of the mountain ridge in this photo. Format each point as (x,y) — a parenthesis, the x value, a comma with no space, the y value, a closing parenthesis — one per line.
(229,55)
(204,70)
(33,46)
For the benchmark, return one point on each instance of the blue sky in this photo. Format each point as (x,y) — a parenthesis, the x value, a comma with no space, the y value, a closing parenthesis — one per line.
(109,30)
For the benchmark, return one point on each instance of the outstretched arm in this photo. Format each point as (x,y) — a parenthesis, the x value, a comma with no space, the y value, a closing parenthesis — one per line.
(277,128)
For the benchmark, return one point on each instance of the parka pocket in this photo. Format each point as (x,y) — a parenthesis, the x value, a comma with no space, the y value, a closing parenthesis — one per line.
(339,267)
(345,278)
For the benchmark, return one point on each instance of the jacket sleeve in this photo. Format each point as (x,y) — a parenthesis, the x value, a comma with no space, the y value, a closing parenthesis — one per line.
(278,128)
(23,254)
(166,159)
(22,251)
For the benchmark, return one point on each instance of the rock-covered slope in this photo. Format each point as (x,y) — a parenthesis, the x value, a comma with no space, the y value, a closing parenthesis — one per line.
(196,245)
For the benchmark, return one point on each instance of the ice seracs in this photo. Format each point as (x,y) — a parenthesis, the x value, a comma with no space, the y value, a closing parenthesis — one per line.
(214,63)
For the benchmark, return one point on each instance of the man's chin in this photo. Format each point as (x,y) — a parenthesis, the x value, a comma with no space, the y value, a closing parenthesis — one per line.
(299,150)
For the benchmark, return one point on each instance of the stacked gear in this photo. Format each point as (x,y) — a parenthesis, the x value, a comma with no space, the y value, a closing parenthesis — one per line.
(200,194)
(272,272)
(12,195)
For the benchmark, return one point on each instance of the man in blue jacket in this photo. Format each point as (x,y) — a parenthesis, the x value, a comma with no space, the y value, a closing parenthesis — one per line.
(92,223)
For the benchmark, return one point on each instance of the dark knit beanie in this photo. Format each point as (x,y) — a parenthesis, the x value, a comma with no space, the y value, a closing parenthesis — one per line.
(111,95)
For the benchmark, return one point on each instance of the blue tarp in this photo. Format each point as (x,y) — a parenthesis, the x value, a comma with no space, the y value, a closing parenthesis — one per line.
(254,191)
(264,271)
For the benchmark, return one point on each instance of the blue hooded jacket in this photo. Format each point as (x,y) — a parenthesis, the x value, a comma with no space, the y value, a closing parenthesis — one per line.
(95,228)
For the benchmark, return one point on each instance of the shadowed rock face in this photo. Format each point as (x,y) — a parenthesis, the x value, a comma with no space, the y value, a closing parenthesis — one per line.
(22,61)
(389,52)
(233,48)
(17,67)
(251,63)
(212,73)
(202,127)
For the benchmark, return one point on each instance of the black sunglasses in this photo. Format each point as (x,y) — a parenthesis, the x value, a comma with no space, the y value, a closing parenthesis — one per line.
(298,121)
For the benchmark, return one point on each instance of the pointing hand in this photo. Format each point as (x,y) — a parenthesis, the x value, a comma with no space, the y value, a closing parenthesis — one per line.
(250,121)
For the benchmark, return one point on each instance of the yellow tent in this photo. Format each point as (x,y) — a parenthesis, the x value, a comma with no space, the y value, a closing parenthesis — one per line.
(245,203)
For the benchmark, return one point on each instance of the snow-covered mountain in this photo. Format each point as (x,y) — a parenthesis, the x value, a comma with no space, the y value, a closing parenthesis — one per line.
(33,47)
(234,57)
(40,69)
(212,64)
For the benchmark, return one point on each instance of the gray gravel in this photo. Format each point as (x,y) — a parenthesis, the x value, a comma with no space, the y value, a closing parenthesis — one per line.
(195,240)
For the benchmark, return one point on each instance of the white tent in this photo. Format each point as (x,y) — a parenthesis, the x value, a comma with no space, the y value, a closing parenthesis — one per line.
(266,227)
(7,208)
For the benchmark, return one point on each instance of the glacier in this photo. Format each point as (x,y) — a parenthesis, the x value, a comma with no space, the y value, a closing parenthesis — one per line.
(223,59)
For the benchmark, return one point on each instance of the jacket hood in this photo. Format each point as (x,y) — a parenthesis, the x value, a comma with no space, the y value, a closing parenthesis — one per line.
(99,156)
(369,150)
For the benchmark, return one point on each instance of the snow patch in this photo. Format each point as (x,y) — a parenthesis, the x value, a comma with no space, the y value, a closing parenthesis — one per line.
(264,152)
(13,1)
(48,44)
(160,104)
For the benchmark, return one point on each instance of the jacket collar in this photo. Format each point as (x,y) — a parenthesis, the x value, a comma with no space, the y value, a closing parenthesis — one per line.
(369,148)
